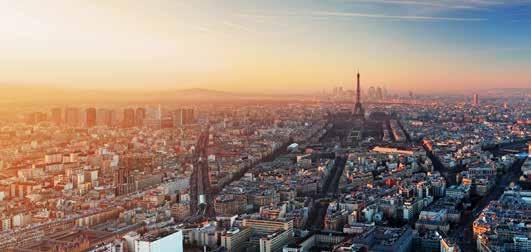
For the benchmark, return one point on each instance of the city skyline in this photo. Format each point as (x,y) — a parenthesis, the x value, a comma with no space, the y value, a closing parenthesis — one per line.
(265,126)
(253,47)
(417,173)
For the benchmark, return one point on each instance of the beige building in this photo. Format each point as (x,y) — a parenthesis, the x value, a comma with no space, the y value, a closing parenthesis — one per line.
(235,239)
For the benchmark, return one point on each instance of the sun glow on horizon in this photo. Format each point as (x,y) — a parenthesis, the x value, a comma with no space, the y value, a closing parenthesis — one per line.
(254,46)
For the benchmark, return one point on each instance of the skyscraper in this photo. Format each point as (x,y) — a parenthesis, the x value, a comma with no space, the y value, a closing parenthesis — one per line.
(90,117)
(140,116)
(72,117)
(105,117)
(57,116)
(177,117)
(35,117)
(475,100)
(188,117)
(183,116)
(372,93)
(379,93)
(129,118)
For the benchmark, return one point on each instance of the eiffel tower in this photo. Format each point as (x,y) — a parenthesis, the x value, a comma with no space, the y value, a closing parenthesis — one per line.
(357,110)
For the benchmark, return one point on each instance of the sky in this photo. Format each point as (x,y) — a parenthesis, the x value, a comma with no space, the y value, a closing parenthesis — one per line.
(266,46)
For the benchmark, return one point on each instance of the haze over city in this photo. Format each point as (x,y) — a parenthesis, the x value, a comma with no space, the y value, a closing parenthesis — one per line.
(265,126)
(266,46)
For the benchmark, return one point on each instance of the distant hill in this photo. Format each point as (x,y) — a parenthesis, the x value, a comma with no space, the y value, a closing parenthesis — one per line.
(190,94)
(55,95)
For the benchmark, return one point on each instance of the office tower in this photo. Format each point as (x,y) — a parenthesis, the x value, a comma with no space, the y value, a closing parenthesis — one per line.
(183,117)
(90,117)
(40,117)
(177,117)
(72,117)
(188,116)
(36,117)
(140,116)
(57,116)
(112,118)
(379,93)
(129,118)
(372,93)
(104,117)
(475,100)
(100,115)
(357,110)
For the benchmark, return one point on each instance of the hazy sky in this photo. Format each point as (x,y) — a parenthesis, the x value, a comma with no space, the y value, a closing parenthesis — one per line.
(270,45)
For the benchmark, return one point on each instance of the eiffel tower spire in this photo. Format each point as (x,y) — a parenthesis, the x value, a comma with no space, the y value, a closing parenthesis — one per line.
(358,109)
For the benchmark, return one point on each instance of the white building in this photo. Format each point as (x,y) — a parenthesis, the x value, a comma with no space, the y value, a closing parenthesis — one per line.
(167,241)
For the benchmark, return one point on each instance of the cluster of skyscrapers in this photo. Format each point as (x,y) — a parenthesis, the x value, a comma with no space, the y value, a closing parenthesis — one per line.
(131,117)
